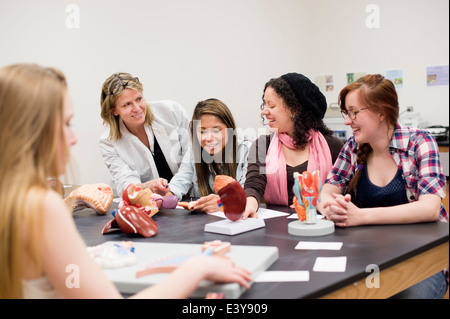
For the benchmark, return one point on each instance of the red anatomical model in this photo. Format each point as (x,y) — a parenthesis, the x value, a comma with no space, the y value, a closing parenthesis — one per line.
(132,220)
(232,196)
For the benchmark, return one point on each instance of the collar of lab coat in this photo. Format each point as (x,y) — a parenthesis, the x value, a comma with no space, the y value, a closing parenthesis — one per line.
(158,131)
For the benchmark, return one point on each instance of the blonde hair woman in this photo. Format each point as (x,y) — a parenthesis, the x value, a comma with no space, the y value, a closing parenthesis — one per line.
(38,237)
(142,144)
(32,123)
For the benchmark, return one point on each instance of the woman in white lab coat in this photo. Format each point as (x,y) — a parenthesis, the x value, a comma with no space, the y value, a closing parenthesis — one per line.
(143,144)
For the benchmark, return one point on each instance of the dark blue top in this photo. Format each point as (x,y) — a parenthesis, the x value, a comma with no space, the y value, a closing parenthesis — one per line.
(370,195)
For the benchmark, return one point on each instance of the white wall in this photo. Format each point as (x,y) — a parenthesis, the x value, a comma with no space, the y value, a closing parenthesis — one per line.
(189,50)
(413,34)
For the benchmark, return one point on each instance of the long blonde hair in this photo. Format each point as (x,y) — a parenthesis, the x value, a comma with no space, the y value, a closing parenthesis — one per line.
(31,135)
(111,90)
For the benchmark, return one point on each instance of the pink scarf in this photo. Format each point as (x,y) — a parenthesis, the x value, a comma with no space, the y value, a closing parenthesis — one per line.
(319,159)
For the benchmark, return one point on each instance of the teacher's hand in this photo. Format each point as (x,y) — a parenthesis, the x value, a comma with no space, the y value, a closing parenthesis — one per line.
(207,204)
(159,186)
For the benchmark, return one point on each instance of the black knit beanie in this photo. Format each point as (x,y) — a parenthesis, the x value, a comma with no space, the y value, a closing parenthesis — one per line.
(307,93)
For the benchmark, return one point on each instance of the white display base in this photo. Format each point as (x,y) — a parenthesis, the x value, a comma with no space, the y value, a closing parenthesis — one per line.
(228,227)
(320,228)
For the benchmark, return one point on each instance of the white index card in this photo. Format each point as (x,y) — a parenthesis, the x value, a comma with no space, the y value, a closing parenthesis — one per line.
(330,264)
(314,245)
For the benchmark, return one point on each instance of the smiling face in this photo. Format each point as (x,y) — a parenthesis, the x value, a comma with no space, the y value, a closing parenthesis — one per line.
(277,113)
(131,107)
(366,126)
(211,134)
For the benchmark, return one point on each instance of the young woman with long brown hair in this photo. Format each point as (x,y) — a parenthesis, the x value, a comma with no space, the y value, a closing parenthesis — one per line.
(216,150)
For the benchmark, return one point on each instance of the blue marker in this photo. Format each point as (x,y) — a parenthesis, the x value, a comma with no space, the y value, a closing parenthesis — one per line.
(207,252)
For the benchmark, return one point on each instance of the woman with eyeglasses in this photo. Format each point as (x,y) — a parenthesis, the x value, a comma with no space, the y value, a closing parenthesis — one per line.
(144,143)
(386,173)
(42,255)
(294,108)
(216,150)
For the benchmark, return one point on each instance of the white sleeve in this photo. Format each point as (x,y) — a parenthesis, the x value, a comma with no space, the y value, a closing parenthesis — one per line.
(182,181)
(122,175)
(183,122)
(172,117)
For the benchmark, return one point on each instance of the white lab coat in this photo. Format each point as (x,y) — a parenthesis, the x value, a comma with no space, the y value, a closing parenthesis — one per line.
(186,177)
(130,161)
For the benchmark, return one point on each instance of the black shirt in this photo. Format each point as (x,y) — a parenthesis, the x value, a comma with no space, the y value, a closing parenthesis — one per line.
(161,163)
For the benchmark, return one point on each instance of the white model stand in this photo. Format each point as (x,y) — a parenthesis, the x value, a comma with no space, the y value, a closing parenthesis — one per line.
(320,228)
(228,227)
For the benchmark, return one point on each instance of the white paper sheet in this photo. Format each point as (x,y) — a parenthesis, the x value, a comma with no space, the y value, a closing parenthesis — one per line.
(315,245)
(330,264)
(283,276)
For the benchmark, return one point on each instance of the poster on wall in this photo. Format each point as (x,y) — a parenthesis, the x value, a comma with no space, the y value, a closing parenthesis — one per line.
(396,76)
(352,77)
(325,82)
(437,75)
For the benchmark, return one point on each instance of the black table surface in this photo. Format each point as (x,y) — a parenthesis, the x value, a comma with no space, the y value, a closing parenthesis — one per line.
(381,245)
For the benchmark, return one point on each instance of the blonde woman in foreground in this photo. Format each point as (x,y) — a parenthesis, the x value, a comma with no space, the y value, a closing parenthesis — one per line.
(38,237)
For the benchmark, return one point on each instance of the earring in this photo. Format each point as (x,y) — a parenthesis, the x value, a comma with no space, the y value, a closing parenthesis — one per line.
(292,116)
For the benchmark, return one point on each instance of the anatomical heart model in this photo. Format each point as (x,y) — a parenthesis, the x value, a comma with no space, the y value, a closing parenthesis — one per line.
(307,187)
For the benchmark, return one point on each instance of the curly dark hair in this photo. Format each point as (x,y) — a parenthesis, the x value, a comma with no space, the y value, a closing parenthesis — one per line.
(304,119)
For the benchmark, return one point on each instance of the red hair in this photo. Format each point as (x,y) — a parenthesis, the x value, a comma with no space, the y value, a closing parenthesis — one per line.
(378,95)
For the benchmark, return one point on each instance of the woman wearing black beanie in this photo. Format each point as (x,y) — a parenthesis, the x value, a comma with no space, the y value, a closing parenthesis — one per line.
(294,108)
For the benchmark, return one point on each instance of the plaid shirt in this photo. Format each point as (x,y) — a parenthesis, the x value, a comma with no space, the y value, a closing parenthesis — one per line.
(417,156)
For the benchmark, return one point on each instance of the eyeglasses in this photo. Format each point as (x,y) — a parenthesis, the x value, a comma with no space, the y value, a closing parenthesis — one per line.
(126,84)
(351,114)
